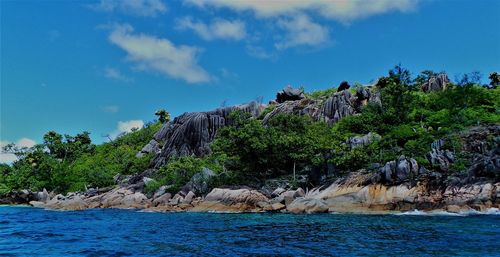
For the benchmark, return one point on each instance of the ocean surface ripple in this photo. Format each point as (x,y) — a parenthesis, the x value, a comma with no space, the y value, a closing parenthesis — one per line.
(28,231)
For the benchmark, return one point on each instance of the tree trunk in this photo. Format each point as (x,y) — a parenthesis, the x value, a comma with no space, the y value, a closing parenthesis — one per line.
(294,171)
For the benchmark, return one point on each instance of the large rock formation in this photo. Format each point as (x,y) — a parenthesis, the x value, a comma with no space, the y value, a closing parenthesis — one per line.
(331,110)
(231,200)
(289,94)
(191,133)
(436,83)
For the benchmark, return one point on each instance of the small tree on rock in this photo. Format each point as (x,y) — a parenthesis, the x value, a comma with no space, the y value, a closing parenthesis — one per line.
(163,115)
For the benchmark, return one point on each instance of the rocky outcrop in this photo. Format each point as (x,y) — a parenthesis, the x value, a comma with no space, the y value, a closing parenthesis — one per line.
(231,200)
(440,158)
(199,182)
(377,197)
(151,148)
(367,139)
(364,96)
(307,205)
(289,94)
(331,110)
(436,83)
(117,198)
(18,197)
(344,85)
(338,106)
(396,172)
(473,195)
(191,133)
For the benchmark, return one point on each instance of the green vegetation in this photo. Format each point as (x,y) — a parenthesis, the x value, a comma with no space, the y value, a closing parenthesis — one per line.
(408,121)
(66,163)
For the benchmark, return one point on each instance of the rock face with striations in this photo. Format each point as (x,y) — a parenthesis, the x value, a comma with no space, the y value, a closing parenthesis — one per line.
(337,106)
(191,133)
(436,83)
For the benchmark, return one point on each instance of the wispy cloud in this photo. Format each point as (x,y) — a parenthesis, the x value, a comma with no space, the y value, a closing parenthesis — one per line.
(300,30)
(111,108)
(144,8)
(126,127)
(341,10)
(218,29)
(160,55)
(112,73)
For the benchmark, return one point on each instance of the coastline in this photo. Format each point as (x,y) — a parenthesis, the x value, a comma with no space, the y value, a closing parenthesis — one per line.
(478,198)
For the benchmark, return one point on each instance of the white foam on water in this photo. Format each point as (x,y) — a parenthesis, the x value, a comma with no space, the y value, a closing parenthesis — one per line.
(493,211)
(490,211)
(414,212)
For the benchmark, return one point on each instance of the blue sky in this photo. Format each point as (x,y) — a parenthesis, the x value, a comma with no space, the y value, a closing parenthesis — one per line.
(106,66)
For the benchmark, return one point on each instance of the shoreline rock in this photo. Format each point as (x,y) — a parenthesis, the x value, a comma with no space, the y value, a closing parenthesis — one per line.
(337,198)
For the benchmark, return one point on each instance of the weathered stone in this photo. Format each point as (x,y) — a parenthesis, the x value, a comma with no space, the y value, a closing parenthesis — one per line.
(229,196)
(160,191)
(151,148)
(191,133)
(367,139)
(42,196)
(344,85)
(307,205)
(199,182)
(176,199)
(436,83)
(162,199)
(277,192)
(277,206)
(338,106)
(289,94)
(189,198)
(396,172)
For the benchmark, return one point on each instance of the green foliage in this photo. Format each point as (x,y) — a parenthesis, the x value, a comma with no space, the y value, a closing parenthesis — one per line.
(177,172)
(71,163)
(267,110)
(258,151)
(163,116)
(321,94)
(407,120)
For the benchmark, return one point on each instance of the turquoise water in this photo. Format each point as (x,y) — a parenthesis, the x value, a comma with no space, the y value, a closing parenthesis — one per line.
(28,231)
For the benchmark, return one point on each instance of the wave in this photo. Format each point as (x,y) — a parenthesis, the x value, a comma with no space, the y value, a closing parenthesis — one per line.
(489,211)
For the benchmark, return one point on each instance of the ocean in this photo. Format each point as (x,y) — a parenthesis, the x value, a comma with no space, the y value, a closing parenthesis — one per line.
(26,231)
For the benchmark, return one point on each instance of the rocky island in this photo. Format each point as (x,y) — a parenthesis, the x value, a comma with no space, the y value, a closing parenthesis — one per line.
(400,144)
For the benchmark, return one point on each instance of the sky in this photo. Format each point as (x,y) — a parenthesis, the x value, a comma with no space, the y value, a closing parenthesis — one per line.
(106,66)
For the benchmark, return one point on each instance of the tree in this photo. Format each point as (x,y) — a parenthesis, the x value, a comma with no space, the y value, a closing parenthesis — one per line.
(494,80)
(163,115)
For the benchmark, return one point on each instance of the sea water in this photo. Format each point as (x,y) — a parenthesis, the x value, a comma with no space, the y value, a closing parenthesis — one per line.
(26,231)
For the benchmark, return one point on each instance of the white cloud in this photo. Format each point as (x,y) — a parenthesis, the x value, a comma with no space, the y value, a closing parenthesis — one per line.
(111,108)
(126,127)
(218,29)
(25,142)
(300,30)
(144,8)
(159,54)
(341,10)
(112,73)
(9,157)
